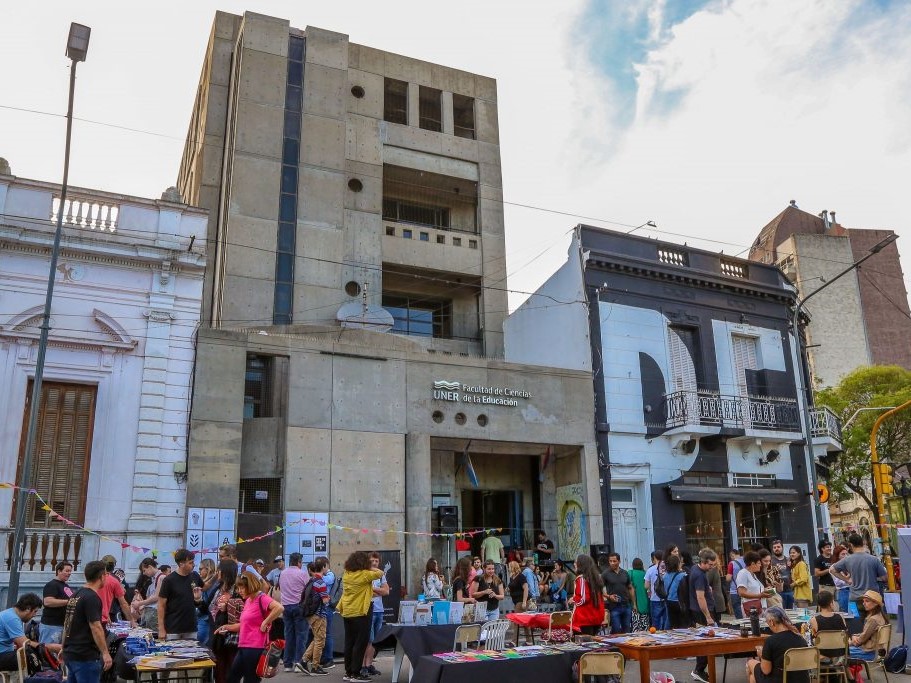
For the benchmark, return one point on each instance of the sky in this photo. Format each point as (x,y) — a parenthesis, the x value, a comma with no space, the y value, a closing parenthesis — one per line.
(705,117)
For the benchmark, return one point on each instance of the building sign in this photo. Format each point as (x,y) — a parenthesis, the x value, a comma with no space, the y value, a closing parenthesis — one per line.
(457,392)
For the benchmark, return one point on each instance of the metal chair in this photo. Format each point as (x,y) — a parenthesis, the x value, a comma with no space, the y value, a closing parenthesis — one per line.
(800,659)
(833,666)
(493,634)
(465,634)
(883,641)
(562,620)
(21,669)
(601,664)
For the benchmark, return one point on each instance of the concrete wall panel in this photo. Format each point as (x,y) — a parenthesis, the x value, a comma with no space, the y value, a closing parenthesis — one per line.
(323,142)
(324,90)
(320,197)
(368,471)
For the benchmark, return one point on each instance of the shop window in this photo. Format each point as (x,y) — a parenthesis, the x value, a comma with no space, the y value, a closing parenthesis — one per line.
(755,523)
(395,101)
(262,495)
(418,316)
(61,452)
(463,116)
(258,386)
(704,527)
(430,109)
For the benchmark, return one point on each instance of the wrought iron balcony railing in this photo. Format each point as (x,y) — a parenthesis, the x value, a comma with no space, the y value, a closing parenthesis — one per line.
(825,423)
(745,412)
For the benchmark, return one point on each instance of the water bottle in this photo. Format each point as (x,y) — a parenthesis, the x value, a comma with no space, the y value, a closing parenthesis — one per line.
(754,621)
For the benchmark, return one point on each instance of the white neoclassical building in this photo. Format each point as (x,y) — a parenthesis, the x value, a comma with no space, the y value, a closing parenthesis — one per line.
(112,433)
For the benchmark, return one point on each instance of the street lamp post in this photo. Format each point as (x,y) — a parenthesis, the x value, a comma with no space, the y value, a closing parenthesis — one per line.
(804,369)
(77,46)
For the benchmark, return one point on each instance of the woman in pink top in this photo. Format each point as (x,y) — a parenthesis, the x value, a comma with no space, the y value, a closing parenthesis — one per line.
(253,628)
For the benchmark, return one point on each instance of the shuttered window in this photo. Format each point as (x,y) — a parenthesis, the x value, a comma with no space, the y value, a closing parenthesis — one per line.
(62,451)
(682,368)
(746,357)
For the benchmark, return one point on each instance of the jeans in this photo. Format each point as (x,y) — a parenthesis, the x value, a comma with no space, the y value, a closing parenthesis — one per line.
(329,650)
(787,599)
(49,634)
(295,634)
(314,653)
(620,618)
(735,605)
(699,619)
(376,623)
(88,671)
(202,630)
(842,595)
(855,652)
(658,614)
(357,637)
(487,615)
(244,665)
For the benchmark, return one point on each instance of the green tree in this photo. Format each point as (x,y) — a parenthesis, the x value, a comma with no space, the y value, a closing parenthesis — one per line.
(872,386)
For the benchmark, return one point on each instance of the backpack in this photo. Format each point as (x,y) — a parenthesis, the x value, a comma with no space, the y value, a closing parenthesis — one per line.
(336,593)
(310,600)
(270,658)
(660,588)
(683,593)
(895,661)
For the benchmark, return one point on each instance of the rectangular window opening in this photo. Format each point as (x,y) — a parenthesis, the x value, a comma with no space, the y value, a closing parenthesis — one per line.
(395,101)
(430,109)
(258,386)
(419,316)
(463,116)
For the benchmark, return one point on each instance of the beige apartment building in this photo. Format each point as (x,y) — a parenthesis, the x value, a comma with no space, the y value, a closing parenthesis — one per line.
(350,367)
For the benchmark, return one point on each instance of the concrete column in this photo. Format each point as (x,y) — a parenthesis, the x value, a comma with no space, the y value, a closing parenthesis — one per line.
(417,507)
(448,122)
(414,106)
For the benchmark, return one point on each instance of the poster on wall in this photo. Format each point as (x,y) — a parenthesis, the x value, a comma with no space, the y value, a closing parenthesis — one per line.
(571,537)
(209,528)
(307,533)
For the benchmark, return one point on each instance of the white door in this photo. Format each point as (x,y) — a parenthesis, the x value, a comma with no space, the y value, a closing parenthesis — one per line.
(746,357)
(625,519)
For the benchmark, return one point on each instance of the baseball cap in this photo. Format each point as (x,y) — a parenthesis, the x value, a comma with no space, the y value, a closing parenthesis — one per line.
(823,543)
(259,561)
(278,558)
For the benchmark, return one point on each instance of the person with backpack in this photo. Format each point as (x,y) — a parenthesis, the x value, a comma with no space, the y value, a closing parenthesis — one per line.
(84,648)
(701,602)
(292,582)
(734,567)
(334,585)
(314,603)
(657,594)
(672,582)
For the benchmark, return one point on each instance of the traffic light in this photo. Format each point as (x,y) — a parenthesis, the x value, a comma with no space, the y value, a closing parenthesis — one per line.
(885,479)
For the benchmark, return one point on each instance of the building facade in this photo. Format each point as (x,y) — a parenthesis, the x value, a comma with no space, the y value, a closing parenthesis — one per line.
(350,387)
(863,318)
(697,391)
(112,433)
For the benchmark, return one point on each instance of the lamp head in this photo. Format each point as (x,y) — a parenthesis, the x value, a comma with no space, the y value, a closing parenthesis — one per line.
(882,244)
(77,43)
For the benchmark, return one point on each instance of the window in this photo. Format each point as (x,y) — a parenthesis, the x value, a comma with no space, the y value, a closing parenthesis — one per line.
(407,212)
(746,357)
(430,109)
(681,343)
(260,495)
(419,316)
(463,116)
(62,451)
(705,527)
(395,101)
(258,382)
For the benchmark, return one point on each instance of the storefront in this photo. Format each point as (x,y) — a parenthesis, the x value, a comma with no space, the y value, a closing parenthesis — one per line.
(367,440)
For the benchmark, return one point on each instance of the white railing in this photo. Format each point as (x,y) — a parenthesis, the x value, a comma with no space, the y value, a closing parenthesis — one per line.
(87,213)
(824,422)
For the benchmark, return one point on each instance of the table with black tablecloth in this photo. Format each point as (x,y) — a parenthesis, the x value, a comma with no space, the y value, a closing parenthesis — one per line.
(416,641)
(553,668)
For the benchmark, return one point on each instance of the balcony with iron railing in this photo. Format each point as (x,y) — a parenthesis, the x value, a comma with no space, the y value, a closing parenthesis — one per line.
(699,410)
(825,428)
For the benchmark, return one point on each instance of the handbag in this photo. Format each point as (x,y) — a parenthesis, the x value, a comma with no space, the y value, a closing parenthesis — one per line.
(270,658)
(747,605)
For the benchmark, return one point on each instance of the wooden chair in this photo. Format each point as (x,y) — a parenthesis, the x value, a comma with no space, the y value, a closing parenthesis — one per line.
(833,666)
(562,620)
(800,659)
(465,634)
(883,641)
(601,664)
(493,634)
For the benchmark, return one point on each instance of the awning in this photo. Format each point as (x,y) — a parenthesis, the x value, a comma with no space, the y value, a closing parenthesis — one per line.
(733,494)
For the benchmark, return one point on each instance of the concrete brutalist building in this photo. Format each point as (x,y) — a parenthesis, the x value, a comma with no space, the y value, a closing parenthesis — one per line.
(350,365)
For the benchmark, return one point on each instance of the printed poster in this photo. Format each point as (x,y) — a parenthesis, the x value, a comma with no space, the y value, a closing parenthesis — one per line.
(571,537)
(307,533)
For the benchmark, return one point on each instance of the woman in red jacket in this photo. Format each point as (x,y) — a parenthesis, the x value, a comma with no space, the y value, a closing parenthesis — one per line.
(588,597)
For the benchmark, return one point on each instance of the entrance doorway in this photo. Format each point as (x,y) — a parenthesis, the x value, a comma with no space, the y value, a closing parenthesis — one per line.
(625,518)
(493,510)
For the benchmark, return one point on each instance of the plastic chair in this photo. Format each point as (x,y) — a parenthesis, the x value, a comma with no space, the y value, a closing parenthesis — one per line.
(800,659)
(493,634)
(21,666)
(562,620)
(833,666)
(465,634)
(883,641)
(601,664)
